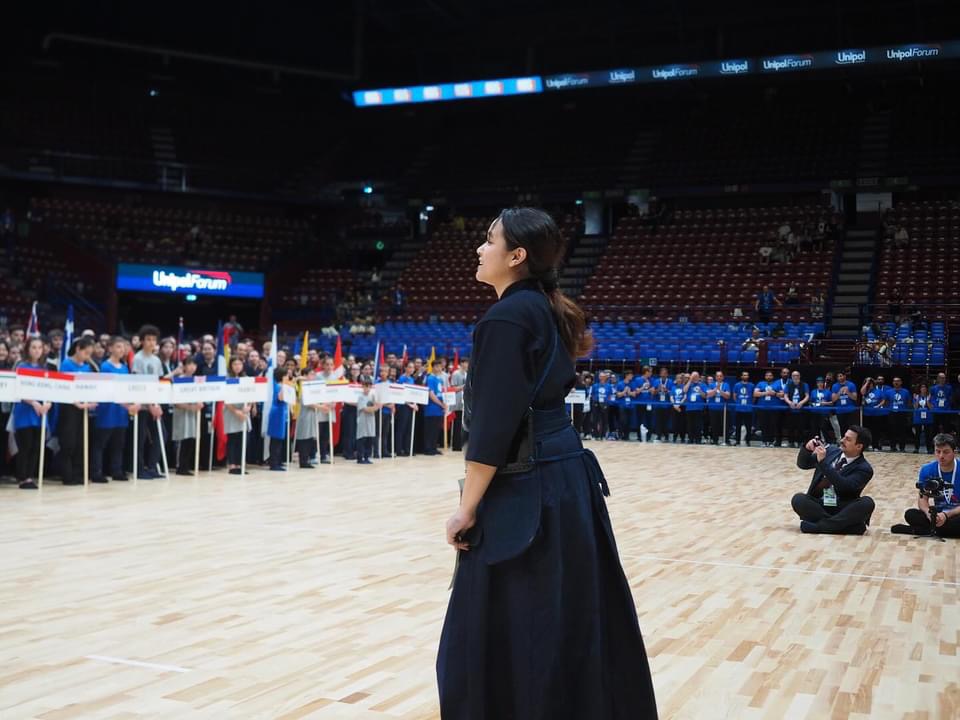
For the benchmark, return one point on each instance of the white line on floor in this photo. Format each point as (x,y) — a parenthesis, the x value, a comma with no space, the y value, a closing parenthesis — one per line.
(137,663)
(773,568)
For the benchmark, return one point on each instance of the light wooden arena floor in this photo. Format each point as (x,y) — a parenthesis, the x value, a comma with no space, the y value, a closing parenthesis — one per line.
(320,594)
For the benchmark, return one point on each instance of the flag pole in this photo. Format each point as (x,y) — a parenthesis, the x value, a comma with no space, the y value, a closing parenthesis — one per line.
(413,427)
(332,415)
(86,447)
(243,444)
(136,446)
(196,445)
(380,436)
(319,451)
(393,432)
(43,443)
(163,450)
(213,439)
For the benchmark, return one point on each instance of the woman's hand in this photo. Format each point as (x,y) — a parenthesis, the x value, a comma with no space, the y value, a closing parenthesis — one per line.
(459,523)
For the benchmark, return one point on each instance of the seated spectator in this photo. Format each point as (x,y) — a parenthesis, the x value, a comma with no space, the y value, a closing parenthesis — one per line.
(765,252)
(832,503)
(817,303)
(901,238)
(752,342)
(943,471)
(792,297)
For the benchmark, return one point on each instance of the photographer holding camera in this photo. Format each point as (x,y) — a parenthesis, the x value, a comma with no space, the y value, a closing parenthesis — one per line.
(936,482)
(833,504)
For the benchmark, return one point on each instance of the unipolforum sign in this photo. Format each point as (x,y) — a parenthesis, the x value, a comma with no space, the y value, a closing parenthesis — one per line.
(183,280)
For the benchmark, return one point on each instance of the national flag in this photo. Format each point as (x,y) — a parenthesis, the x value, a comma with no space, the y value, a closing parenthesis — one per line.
(337,374)
(67,334)
(383,360)
(304,349)
(456,360)
(180,341)
(403,358)
(218,428)
(33,326)
(377,361)
(271,364)
(433,356)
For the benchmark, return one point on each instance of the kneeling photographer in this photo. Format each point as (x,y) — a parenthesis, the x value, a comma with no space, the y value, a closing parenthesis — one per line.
(936,483)
(832,504)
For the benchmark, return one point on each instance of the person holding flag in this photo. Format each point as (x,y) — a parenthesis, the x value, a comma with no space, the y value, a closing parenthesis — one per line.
(458,379)
(219,427)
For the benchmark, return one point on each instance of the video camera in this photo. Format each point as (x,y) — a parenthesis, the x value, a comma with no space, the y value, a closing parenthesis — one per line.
(931,488)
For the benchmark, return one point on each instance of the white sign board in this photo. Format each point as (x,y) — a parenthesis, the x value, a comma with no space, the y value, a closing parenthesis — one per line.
(313,392)
(391,393)
(345,393)
(450,398)
(576,397)
(204,392)
(248,390)
(289,394)
(142,390)
(419,394)
(8,389)
(43,389)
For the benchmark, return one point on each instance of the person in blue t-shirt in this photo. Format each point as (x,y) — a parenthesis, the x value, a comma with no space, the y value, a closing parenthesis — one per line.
(901,412)
(696,401)
(406,414)
(942,471)
(718,395)
(923,419)
(662,393)
(766,299)
(110,433)
(678,410)
(643,392)
(876,409)
(796,395)
(780,418)
(27,418)
(70,422)
(765,398)
(277,422)
(941,399)
(602,398)
(434,412)
(743,404)
(821,400)
(845,402)
(626,414)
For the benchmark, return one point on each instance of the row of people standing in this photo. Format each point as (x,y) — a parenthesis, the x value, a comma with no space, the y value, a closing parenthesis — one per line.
(688,408)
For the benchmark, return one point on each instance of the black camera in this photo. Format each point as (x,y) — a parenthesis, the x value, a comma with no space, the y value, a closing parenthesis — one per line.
(931,487)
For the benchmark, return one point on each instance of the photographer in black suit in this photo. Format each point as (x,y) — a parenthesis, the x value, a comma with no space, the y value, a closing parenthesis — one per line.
(833,503)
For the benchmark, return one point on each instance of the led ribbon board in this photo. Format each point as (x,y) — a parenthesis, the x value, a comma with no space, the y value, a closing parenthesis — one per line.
(183,280)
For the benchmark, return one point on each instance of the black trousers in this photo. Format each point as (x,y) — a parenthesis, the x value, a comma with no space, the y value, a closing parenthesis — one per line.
(600,419)
(107,452)
(324,439)
(743,421)
(767,419)
(878,426)
(663,422)
(305,449)
(365,448)
(402,431)
(186,455)
(431,434)
(255,440)
(386,434)
(5,468)
(694,425)
(716,426)
(278,455)
(920,522)
(846,419)
(235,448)
(456,441)
(348,432)
(927,432)
(28,453)
(148,443)
(797,425)
(679,424)
(779,425)
(943,423)
(850,519)
(898,425)
(578,416)
(70,435)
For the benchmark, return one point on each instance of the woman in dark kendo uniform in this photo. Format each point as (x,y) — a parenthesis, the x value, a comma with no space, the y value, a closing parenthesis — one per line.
(541,623)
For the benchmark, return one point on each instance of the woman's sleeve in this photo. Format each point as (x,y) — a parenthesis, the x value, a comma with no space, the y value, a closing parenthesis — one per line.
(502,381)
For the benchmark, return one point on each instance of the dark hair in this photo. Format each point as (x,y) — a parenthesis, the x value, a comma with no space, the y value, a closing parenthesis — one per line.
(941,439)
(864,436)
(189,360)
(116,339)
(149,330)
(279,374)
(536,232)
(82,343)
(237,358)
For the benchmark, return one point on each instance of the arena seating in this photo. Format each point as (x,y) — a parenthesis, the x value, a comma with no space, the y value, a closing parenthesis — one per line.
(913,346)
(441,279)
(163,234)
(705,258)
(923,271)
(315,286)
